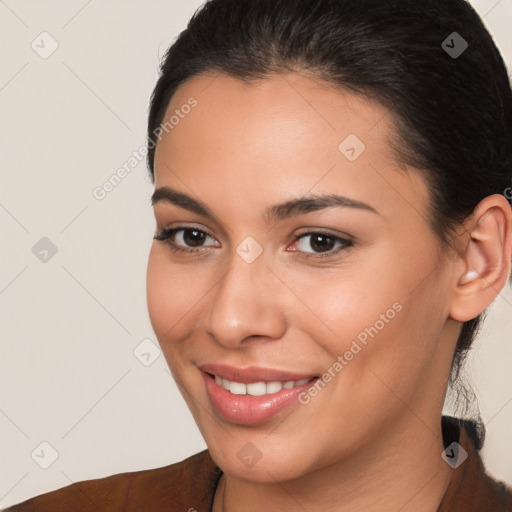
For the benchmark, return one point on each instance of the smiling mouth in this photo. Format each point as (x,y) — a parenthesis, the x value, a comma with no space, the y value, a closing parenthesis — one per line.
(258,388)
(256,400)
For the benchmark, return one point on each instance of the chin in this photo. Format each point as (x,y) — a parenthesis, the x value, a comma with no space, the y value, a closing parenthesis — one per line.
(260,459)
(266,470)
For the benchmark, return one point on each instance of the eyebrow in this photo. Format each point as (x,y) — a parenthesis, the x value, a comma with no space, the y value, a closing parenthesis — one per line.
(280,211)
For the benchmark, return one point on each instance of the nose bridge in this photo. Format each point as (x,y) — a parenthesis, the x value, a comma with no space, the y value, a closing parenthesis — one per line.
(242,305)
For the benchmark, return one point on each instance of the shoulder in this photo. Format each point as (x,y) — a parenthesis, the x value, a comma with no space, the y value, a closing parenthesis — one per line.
(186,485)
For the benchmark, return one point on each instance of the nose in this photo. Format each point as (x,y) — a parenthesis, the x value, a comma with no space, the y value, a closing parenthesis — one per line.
(244,306)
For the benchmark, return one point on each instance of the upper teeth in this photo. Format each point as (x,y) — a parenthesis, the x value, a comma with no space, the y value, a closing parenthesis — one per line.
(257,388)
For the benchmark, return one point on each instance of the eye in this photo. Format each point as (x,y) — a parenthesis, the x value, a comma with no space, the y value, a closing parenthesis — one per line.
(189,239)
(322,242)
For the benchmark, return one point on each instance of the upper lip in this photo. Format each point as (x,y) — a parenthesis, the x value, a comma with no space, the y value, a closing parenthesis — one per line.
(253,373)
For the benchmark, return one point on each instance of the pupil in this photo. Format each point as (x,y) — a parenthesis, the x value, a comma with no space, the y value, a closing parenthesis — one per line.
(196,239)
(319,246)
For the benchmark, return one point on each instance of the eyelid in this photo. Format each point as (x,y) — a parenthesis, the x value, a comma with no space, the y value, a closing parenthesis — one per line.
(186,227)
(324,231)
(345,241)
(337,235)
(166,232)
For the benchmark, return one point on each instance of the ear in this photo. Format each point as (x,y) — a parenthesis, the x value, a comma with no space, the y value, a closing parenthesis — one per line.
(483,268)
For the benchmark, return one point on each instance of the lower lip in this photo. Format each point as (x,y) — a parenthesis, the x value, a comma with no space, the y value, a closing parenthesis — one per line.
(248,409)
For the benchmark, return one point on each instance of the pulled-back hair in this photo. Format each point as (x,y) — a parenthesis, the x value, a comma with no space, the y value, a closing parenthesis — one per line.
(452,110)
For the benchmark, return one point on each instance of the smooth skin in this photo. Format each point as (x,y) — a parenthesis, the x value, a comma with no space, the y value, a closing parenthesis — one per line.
(371,439)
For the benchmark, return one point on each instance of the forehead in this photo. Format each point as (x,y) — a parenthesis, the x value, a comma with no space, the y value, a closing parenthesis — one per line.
(272,117)
(310,104)
(283,133)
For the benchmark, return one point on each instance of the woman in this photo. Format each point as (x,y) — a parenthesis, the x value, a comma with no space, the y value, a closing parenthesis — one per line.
(332,221)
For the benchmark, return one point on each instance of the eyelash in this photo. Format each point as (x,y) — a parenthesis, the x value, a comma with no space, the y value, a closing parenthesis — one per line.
(165,236)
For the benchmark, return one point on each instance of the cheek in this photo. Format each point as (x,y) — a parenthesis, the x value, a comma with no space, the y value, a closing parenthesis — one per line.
(394,354)
(169,295)
(350,302)
(375,321)
(176,299)
(163,291)
(156,285)
(366,330)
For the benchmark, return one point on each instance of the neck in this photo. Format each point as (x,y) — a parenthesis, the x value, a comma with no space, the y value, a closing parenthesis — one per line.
(400,470)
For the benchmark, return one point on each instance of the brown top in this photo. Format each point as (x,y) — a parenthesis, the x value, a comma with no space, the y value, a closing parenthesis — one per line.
(189,486)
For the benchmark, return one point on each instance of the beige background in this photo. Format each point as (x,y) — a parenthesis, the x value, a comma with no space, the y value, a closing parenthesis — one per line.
(69,326)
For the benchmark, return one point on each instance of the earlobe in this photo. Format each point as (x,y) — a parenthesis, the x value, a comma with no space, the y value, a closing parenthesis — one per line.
(486,260)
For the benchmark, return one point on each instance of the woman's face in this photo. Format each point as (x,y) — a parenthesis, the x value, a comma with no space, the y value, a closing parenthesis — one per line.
(350,291)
